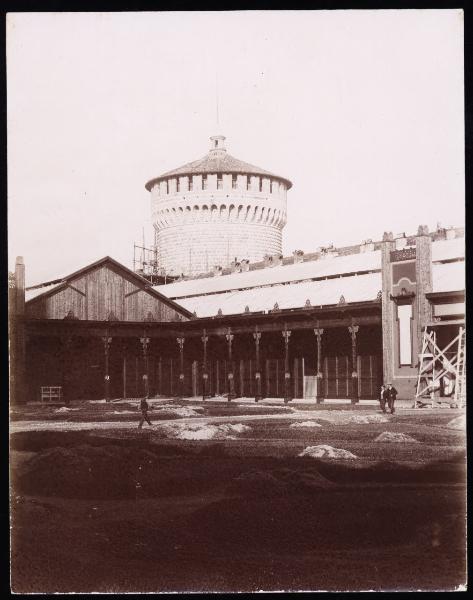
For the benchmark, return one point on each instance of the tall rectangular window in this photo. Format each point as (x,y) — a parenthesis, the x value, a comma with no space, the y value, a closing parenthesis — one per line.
(404,315)
(248,182)
(191,185)
(219,181)
(234,182)
(204,182)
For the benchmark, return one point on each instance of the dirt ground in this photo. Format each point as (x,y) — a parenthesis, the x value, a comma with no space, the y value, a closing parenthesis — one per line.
(114,509)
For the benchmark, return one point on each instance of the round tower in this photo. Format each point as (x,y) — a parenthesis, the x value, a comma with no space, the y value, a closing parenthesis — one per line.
(214,210)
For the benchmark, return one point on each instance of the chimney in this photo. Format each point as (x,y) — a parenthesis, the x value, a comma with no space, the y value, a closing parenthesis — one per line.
(267,260)
(326,251)
(245,265)
(277,260)
(235,266)
(19,286)
(298,256)
(367,246)
(216,270)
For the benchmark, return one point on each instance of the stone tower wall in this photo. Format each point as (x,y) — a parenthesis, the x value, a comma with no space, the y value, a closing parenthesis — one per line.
(206,220)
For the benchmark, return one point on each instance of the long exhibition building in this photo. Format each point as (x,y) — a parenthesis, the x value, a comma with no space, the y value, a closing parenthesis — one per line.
(239,319)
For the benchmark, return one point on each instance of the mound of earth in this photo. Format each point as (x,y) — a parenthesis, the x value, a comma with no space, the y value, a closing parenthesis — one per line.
(325,451)
(278,482)
(458,423)
(390,436)
(365,419)
(178,411)
(86,471)
(65,409)
(203,431)
(306,424)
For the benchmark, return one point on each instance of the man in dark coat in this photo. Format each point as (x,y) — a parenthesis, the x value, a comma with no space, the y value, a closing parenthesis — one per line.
(144,413)
(389,396)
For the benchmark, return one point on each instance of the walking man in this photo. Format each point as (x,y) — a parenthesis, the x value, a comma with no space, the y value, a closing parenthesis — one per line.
(389,396)
(144,413)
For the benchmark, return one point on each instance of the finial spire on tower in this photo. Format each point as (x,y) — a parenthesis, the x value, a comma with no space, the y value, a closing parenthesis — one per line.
(216,101)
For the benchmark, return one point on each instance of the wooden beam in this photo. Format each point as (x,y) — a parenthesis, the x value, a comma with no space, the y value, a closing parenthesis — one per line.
(73,287)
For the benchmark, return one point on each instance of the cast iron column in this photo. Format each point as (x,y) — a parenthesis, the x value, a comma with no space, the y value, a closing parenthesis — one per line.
(258,396)
(205,376)
(319,394)
(353,329)
(145,343)
(230,382)
(287,374)
(180,341)
(106,345)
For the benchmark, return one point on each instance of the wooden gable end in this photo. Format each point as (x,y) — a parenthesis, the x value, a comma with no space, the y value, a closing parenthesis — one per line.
(103,293)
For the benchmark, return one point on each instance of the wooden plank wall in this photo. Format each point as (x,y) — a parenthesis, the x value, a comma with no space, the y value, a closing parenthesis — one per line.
(99,295)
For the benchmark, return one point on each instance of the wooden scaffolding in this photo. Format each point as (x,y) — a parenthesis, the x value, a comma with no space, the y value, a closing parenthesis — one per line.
(442,371)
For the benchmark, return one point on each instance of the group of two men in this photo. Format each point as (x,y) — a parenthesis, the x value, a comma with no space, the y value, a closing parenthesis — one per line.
(388,396)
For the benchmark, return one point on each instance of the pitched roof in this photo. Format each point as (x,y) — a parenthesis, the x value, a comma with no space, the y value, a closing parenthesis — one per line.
(360,288)
(314,269)
(448,277)
(216,161)
(51,287)
(443,250)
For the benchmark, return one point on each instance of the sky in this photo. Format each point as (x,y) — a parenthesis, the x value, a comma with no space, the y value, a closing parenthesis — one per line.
(362,110)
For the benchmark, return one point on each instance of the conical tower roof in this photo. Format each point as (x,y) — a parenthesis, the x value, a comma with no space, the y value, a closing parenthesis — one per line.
(217,160)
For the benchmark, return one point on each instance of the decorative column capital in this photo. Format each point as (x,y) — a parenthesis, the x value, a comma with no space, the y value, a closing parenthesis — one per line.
(353,329)
(318,331)
(257,336)
(180,341)
(286,335)
(106,342)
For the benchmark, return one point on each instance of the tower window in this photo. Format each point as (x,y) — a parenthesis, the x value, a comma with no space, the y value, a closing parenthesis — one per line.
(178,184)
(191,185)
(219,182)
(260,181)
(204,182)
(248,182)
(234,182)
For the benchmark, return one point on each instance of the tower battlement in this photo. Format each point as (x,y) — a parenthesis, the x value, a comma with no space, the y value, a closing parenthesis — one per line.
(214,209)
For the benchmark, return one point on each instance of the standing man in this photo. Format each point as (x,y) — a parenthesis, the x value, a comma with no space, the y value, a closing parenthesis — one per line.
(390,394)
(144,413)
(382,399)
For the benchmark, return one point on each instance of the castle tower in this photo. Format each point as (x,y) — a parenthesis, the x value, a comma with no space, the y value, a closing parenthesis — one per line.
(215,209)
